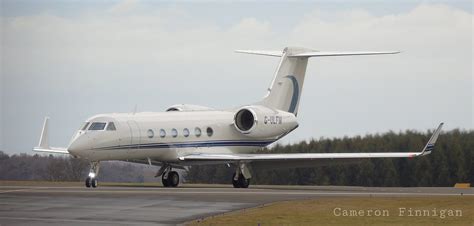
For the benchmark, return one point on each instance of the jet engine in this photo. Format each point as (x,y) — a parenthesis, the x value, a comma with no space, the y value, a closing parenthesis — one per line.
(263,122)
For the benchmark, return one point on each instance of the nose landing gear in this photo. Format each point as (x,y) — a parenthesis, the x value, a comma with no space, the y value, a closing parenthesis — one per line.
(91,180)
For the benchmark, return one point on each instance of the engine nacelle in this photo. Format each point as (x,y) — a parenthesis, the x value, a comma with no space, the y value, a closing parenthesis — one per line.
(188,107)
(262,122)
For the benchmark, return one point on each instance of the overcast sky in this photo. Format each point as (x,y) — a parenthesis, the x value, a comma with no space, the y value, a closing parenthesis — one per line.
(72,59)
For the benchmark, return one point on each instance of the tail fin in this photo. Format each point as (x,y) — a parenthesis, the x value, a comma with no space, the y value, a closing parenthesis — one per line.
(285,90)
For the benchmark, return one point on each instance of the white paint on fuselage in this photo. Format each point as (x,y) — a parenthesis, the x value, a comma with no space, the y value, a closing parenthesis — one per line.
(130,140)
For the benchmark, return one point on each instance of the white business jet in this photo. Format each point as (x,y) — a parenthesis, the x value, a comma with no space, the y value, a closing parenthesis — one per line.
(186,135)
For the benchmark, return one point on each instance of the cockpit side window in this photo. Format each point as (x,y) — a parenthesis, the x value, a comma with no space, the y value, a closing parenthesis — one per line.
(111,126)
(97,126)
(84,127)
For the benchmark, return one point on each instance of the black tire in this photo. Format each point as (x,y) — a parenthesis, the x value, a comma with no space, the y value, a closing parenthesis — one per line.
(235,183)
(165,181)
(244,183)
(94,183)
(173,179)
(88,182)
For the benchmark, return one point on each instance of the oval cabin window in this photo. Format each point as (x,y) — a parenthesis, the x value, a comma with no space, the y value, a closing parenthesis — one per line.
(186,132)
(197,132)
(174,133)
(150,133)
(209,131)
(162,133)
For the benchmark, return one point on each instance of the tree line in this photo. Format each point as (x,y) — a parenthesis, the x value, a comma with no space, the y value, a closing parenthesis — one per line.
(452,161)
(64,168)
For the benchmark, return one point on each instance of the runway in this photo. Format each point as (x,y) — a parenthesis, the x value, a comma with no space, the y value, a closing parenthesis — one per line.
(113,205)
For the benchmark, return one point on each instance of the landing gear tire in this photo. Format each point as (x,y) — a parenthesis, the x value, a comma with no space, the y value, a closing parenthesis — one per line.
(241,182)
(88,182)
(235,183)
(244,183)
(173,179)
(164,181)
(94,183)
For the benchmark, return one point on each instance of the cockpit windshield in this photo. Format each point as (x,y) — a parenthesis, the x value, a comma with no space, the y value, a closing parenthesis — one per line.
(97,126)
(84,127)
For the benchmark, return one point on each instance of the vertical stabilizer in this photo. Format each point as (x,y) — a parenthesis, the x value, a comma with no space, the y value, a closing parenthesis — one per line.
(285,90)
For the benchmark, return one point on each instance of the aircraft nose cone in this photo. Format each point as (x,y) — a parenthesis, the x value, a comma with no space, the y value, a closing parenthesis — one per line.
(79,145)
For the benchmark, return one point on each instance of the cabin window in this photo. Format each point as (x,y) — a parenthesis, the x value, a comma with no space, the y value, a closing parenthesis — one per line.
(111,126)
(174,133)
(162,133)
(150,133)
(186,132)
(209,131)
(84,127)
(97,126)
(197,131)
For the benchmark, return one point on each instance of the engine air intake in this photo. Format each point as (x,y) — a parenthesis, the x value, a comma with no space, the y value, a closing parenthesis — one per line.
(244,120)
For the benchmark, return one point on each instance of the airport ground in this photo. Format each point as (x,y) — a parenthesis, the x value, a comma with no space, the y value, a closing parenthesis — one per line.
(47,203)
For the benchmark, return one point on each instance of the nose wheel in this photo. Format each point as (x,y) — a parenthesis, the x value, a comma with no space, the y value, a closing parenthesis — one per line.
(91,180)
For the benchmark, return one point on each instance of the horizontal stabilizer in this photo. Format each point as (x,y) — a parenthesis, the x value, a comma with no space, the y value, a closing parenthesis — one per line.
(324,54)
(314,53)
(261,52)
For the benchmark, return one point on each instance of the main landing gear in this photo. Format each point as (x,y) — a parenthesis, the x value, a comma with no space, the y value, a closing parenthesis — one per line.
(91,180)
(241,177)
(169,178)
(240,181)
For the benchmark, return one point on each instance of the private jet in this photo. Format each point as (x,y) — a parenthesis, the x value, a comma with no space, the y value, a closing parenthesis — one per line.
(187,135)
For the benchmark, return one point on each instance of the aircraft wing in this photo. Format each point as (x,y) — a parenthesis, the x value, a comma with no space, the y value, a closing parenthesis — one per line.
(43,145)
(305,159)
(51,150)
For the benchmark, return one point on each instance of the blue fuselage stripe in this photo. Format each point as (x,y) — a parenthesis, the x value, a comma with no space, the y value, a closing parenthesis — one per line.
(191,144)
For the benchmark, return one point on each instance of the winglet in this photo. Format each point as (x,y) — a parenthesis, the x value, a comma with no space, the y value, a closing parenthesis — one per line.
(430,145)
(44,139)
(43,145)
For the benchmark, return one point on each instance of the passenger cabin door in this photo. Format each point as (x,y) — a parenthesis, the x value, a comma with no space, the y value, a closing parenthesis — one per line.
(134,135)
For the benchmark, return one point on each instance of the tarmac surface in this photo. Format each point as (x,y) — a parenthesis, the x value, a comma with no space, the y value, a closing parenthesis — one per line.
(115,205)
